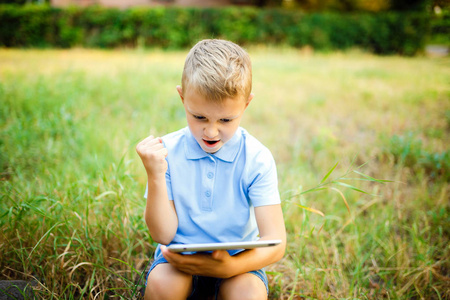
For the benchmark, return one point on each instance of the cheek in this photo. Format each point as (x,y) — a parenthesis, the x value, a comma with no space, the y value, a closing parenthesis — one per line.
(192,124)
(229,132)
(196,129)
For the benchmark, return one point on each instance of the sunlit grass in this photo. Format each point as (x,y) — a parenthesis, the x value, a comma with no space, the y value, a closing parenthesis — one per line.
(71,184)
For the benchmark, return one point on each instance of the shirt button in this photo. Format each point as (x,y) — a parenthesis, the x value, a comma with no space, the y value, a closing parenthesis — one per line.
(207,193)
(210,175)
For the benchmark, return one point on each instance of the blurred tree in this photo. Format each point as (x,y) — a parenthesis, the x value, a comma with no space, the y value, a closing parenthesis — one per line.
(13,1)
(365,5)
(21,2)
(265,3)
(411,5)
(441,3)
(323,5)
(369,5)
(342,5)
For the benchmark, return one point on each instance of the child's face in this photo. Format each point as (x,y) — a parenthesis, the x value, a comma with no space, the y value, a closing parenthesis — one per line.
(212,123)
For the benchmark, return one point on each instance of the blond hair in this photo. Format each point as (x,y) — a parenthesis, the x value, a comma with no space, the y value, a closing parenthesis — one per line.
(218,69)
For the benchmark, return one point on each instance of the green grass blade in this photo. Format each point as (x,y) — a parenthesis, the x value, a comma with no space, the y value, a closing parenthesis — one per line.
(371,178)
(351,187)
(329,173)
(40,240)
(315,189)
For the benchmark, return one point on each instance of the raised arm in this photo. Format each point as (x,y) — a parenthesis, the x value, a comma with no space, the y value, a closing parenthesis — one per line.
(160,215)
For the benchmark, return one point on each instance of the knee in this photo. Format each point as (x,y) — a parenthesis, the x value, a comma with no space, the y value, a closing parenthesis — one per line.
(156,289)
(162,289)
(249,294)
(248,288)
(167,285)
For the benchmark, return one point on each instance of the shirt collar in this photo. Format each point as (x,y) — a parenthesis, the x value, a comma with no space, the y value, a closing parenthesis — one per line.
(227,153)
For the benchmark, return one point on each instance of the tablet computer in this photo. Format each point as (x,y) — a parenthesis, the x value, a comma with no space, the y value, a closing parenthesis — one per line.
(222,246)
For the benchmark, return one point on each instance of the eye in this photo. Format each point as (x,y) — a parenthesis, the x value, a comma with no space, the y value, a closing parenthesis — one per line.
(198,117)
(225,120)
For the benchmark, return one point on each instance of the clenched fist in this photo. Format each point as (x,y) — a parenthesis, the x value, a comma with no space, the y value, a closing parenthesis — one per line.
(153,154)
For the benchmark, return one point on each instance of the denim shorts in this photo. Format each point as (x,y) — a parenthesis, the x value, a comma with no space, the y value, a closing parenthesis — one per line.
(203,286)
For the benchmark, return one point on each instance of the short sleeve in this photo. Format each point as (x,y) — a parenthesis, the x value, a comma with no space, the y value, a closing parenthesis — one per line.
(169,186)
(263,187)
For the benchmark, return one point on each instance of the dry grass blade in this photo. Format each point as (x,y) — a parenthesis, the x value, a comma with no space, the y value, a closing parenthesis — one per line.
(313,210)
(35,279)
(342,196)
(77,266)
(40,240)
(66,250)
(321,227)
(365,207)
(105,194)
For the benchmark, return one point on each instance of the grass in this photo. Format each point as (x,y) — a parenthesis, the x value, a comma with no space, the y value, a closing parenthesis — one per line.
(71,185)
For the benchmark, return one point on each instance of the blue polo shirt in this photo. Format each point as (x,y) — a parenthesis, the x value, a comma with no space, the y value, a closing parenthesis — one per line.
(215,194)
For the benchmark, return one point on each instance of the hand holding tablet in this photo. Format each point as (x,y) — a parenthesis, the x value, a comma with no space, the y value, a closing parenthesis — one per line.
(222,246)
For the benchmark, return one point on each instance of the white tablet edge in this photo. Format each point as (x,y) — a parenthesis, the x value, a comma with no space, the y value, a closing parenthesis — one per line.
(222,246)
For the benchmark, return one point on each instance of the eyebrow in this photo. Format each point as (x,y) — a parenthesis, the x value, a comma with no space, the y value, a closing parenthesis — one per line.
(198,114)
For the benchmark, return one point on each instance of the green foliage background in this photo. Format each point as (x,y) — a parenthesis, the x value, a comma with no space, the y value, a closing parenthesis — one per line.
(44,26)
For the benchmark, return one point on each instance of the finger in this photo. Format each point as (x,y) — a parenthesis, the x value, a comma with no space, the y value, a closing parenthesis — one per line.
(218,254)
(152,141)
(150,145)
(154,147)
(170,256)
(163,151)
(144,142)
(176,260)
(147,139)
(154,154)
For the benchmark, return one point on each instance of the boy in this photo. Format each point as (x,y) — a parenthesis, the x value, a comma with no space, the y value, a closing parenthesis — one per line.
(212,182)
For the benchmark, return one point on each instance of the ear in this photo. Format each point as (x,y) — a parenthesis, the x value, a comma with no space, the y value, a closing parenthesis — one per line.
(180,92)
(250,98)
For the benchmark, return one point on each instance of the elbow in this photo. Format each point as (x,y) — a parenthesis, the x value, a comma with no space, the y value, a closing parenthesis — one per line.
(161,240)
(280,253)
(160,235)
(283,247)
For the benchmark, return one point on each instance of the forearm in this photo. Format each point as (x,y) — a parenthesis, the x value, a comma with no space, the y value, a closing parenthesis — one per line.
(271,226)
(160,216)
(221,265)
(255,259)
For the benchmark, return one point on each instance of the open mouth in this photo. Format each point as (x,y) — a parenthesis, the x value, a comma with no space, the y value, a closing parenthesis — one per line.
(211,143)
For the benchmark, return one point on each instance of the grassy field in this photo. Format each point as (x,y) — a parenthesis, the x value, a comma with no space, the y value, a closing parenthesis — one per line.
(71,184)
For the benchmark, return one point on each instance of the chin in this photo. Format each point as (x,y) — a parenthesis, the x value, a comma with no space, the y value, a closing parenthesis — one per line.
(211,151)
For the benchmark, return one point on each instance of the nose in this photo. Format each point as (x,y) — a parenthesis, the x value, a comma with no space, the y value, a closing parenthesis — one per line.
(211,131)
